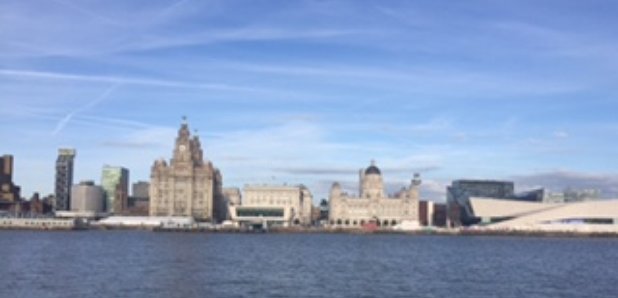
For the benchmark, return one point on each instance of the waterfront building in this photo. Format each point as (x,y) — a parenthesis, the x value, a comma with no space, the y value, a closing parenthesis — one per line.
(138,203)
(459,210)
(439,215)
(43,223)
(373,206)
(140,190)
(282,205)
(115,183)
(461,213)
(425,213)
(9,192)
(583,216)
(87,197)
(64,178)
(231,197)
(188,185)
(148,222)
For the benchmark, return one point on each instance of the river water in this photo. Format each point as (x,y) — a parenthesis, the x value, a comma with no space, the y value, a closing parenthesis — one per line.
(149,264)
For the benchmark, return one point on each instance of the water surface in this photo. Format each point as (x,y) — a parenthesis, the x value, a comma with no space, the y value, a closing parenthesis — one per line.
(148,264)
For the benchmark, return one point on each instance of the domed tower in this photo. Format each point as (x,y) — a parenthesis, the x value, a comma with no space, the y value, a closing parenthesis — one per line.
(415,184)
(372,186)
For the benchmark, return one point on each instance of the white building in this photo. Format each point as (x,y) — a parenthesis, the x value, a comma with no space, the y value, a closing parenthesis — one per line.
(586,216)
(87,197)
(282,205)
(373,205)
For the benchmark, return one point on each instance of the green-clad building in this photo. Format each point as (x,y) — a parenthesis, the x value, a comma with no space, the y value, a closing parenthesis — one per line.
(115,183)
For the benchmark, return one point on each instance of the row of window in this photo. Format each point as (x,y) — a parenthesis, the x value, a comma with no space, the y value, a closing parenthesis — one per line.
(38,223)
(269,201)
(347,222)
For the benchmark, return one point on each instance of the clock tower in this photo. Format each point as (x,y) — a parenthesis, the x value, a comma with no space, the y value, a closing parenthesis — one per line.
(188,185)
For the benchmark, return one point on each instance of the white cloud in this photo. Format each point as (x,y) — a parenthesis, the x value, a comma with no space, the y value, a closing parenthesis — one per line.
(119,80)
(561,134)
(562,179)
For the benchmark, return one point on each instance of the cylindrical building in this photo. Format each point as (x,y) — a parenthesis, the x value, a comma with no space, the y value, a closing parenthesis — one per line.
(87,197)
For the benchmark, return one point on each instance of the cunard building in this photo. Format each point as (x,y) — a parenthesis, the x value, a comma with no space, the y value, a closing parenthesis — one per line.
(187,185)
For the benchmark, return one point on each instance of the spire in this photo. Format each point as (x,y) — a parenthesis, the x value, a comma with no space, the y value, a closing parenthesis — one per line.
(183,132)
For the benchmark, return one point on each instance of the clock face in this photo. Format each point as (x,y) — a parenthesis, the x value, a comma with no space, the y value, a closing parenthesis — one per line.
(182,147)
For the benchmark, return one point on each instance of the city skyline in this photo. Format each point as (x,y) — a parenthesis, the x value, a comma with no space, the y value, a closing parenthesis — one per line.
(310,92)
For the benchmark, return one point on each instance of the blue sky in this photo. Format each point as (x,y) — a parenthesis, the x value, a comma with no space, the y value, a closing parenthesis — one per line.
(311,91)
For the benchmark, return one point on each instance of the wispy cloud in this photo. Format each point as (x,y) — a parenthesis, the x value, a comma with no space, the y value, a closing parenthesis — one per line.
(148,137)
(119,80)
(309,171)
(65,120)
(561,134)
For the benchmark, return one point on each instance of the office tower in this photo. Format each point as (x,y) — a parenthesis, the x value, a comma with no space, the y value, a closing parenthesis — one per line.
(115,183)
(64,178)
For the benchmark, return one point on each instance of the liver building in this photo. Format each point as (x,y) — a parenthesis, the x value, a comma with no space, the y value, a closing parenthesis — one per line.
(187,186)
(373,205)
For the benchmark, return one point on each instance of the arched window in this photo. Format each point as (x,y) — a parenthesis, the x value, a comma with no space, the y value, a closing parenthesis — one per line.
(339,221)
(385,222)
(393,222)
(347,222)
(332,222)
(354,223)
(362,222)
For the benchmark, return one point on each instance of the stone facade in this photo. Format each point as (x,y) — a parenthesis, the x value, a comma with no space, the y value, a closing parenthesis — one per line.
(296,199)
(187,185)
(373,205)
(87,197)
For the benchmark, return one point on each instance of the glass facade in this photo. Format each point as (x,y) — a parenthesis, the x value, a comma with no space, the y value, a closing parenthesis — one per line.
(259,212)
(115,183)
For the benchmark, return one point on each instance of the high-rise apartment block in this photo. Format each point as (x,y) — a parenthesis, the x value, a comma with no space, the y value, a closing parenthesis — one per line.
(64,178)
(9,192)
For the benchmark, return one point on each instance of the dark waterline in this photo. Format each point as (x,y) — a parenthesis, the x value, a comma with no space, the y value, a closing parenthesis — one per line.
(147,264)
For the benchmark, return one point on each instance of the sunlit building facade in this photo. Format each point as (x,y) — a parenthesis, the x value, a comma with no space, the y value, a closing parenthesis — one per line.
(188,185)
(373,205)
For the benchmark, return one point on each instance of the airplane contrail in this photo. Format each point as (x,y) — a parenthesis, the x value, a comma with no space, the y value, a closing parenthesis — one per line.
(66,119)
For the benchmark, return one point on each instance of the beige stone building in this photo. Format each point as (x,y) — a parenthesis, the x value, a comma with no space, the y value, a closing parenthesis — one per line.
(278,204)
(187,185)
(373,205)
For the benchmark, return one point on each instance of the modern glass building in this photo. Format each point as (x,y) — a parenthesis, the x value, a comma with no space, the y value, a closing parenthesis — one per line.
(115,183)
(64,178)
(459,210)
